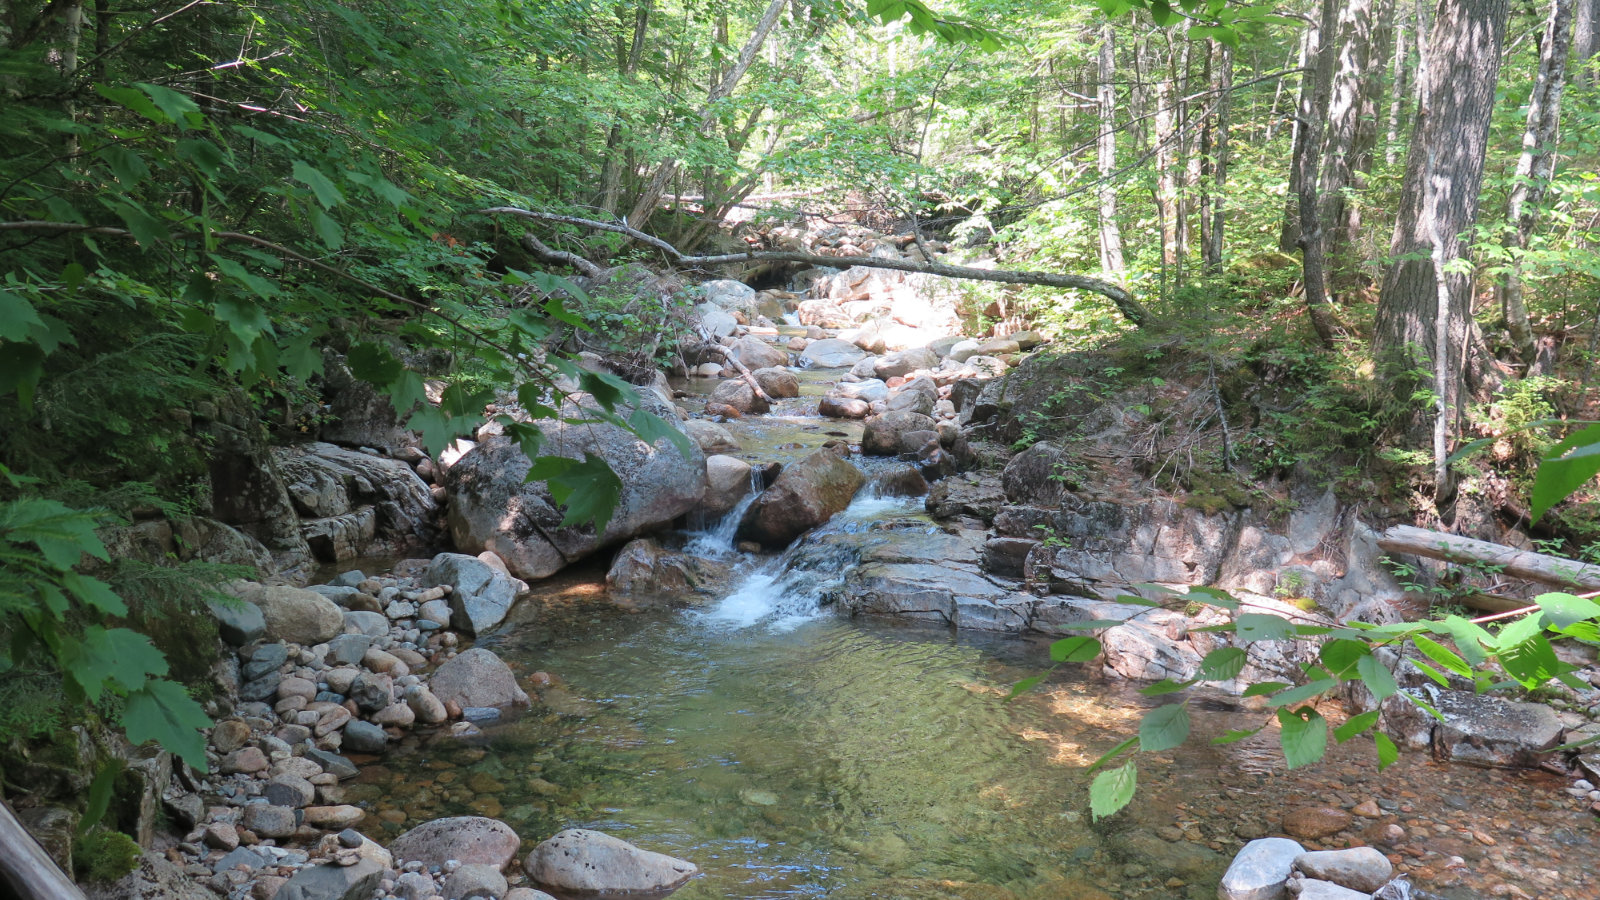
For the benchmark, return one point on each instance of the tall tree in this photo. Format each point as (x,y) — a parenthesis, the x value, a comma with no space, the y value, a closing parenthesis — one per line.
(1305,176)
(1341,152)
(629,52)
(1424,317)
(1586,39)
(1311,108)
(1534,168)
(1216,150)
(1106,153)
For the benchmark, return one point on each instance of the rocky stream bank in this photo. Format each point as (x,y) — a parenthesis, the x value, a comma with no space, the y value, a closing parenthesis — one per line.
(800,404)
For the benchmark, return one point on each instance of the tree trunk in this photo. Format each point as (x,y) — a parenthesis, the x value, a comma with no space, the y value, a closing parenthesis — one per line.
(1309,221)
(1214,218)
(26,871)
(1551,570)
(611,172)
(1439,201)
(1399,79)
(1310,108)
(1586,36)
(1534,168)
(1166,141)
(1111,261)
(708,113)
(1354,49)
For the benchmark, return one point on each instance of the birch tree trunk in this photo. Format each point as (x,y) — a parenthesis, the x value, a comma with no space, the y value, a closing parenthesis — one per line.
(1111,261)
(1166,153)
(1534,168)
(1586,37)
(1340,151)
(1444,172)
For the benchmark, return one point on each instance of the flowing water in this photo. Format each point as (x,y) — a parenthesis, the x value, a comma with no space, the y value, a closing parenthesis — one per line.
(794,754)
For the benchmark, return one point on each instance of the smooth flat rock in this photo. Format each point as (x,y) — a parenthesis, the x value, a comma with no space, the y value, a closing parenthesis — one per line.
(477,677)
(1260,870)
(1314,889)
(1358,868)
(296,615)
(1491,731)
(589,861)
(329,882)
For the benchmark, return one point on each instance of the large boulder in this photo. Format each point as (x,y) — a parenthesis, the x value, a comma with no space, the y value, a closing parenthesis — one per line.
(714,321)
(493,507)
(582,861)
(778,382)
(467,839)
(729,294)
(711,437)
(831,353)
(806,494)
(737,393)
(355,504)
(296,615)
(477,677)
(904,362)
(836,407)
(757,354)
(480,595)
(883,434)
(727,482)
(1492,731)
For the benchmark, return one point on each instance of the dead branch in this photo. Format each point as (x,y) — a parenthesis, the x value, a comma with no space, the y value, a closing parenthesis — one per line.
(1130,308)
(25,869)
(1552,570)
(548,254)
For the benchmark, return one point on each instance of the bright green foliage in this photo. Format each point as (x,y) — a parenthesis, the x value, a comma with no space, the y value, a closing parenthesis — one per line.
(1112,789)
(48,614)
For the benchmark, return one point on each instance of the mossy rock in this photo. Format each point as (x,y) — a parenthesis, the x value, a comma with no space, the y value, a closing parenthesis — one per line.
(105,856)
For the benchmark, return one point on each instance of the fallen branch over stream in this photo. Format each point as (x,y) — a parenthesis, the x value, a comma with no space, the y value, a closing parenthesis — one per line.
(1130,308)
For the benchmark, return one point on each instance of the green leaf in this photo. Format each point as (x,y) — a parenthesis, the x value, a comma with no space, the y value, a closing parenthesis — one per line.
(651,428)
(1112,789)
(1388,753)
(129,167)
(119,658)
(17,317)
(607,389)
(94,593)
(1236,735)
(374,364)
(1377,677)
(1355,725)
(1113,753)
(1564,609)
(1304,736)
(134,100)
(62,534)
(1565,467)
(1340,656)
(145,228)
(1442,655)
(179,109)
(264,288)
(1304,692)
(203,155)
(329,231)
(1215,596)
(1533,662)
(326,191)
(1024,686)
(162,711)
(1264,687)
(246,320)
(1254,627)
(1164,727)
(100,791)
(1223,664)
(1470,639)
(589,490)
(1078,649)
(300,356)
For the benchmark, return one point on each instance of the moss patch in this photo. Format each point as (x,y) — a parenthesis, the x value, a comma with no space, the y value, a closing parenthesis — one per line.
(103,855)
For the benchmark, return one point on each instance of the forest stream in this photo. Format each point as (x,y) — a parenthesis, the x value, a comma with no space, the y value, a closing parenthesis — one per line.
(792,753)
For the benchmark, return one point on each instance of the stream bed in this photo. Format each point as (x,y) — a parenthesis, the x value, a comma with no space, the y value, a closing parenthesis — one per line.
(791,753)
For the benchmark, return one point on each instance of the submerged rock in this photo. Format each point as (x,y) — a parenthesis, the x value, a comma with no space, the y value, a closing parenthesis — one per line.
(831,353)
(590,861)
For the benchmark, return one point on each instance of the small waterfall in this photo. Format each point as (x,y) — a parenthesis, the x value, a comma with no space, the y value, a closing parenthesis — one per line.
(716,539)
(781,595)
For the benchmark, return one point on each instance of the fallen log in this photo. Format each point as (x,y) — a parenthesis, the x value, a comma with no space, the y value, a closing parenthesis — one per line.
(26,871)
(1502,560)
(1119,297)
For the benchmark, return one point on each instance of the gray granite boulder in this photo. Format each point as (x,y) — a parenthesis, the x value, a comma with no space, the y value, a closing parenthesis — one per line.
(480,595)
(1260,870)
(579,860)
(477,677)
(467,839)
